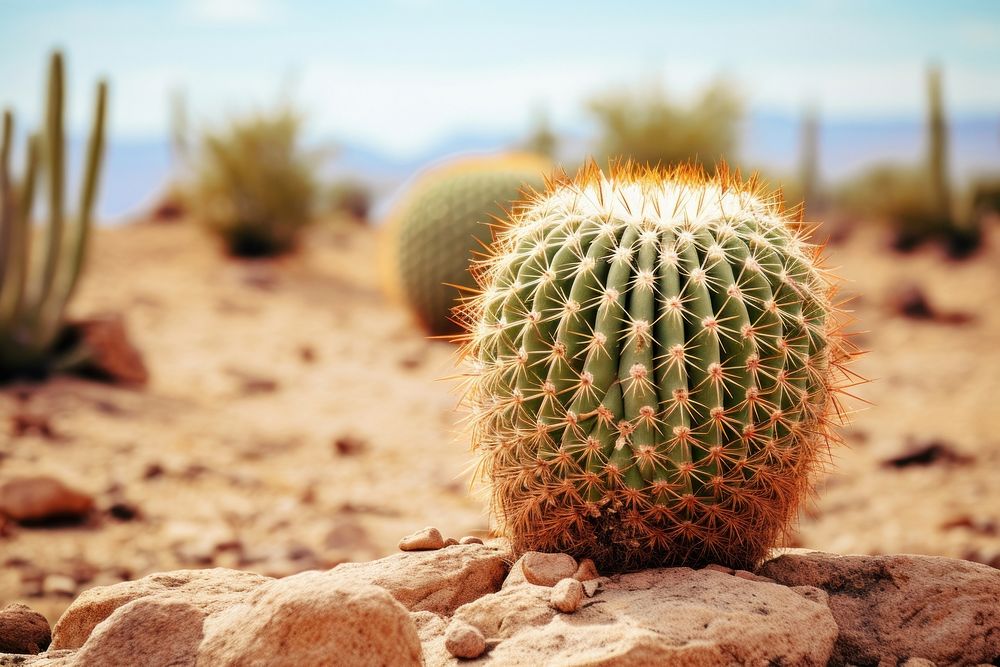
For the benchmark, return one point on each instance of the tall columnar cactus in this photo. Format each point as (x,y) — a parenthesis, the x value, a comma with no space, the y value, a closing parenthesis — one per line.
(937,149)
(809,161)
(442,221)
(36,284)
(655,360)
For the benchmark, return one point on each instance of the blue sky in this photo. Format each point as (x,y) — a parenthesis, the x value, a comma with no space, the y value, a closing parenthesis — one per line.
(400,75)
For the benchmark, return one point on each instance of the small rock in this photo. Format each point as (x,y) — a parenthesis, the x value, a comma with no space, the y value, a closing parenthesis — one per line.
(124,511)
(544,569)
(59,584)
(750,576)
(464,640)
(719,568)
(24,423)
(423,540)
(41,499)
(586,571)
(106,351)
(349,445)
(346,534)
(470,539)
(23,630)
(910,300)
(153,470)
(566,595)
(450,542)
(591,586)
(929,453)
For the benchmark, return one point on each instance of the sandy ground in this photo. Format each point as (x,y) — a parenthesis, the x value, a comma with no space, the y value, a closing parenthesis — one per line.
(295,420)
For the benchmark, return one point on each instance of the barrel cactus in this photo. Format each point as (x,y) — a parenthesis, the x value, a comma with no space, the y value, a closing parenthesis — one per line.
(442,221)
(654,366)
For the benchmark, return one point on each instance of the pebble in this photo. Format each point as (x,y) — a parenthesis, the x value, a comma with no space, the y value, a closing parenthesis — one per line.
(464,640)
(586,571)
(470,539)
(750,576)
(451,541)
(59,584)
(720,568)
(544,569)
(423,540)
(39,499)
(23,630)
(566,595)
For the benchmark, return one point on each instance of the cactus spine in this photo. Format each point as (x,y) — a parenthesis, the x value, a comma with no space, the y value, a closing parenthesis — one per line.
(655,361)
(36,285)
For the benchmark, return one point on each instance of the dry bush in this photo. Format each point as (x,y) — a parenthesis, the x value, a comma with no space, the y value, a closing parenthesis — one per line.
(255,186)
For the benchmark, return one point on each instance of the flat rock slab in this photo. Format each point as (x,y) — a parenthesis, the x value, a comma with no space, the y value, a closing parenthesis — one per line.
(893,608)
(438,581)
(661,616)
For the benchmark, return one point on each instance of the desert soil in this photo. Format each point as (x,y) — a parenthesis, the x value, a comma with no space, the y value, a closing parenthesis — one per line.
(295,419)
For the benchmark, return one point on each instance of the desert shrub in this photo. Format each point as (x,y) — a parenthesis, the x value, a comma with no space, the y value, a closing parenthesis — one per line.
(986,197)
(351,198)
(254,184)
(904,198)
(648,127)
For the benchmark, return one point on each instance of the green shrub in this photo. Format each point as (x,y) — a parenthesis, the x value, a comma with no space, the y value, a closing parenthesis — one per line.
(255,186)
(986,197)
(649,128)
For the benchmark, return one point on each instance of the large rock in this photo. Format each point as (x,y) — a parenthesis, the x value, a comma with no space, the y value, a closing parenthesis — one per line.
(437,581)
(206,590)
(898,607)
(147,631)
(23,630)
(662,616)
(40,498)
(312,619)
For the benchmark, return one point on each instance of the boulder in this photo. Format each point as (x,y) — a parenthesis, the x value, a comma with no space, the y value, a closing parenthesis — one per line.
(893,608)
(659,616)
(437,581)
(147,631)
(206,590)
(312,619)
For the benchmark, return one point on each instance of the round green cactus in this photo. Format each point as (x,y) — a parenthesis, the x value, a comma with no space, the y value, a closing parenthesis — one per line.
(444,219)
(655,360)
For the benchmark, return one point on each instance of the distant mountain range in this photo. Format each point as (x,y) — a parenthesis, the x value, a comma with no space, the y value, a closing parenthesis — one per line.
(137,170)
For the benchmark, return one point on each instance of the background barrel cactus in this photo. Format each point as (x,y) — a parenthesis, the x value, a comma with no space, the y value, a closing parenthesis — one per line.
(442,221)
(655,365)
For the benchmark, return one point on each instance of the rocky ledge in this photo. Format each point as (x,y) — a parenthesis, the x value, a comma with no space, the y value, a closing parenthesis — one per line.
(466,603)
